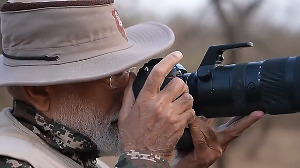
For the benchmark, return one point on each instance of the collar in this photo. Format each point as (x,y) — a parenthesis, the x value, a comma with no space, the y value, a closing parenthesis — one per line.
(66,140)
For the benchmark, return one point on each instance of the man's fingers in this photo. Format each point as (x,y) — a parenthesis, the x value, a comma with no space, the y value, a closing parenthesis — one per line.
(128,99)
(239,125)
(235,129)
(189,116)
(210,121)
(183,103)
(159,72)
(175,88)
(228,123)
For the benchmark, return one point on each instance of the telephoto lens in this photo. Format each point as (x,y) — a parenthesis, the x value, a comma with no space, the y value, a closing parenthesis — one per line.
(237,90)
(272,86)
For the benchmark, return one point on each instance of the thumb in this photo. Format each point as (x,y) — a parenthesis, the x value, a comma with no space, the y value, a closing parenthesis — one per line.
(128,99)
(203,136)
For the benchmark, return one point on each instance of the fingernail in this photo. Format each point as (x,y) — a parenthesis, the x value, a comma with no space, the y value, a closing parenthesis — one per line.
(257,114)
(177,54)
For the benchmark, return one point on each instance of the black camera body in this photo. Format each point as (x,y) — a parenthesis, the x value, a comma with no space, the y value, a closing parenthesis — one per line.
(272,86)
(177,71)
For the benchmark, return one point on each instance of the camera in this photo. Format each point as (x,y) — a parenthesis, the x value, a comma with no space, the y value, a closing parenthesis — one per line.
(272,86)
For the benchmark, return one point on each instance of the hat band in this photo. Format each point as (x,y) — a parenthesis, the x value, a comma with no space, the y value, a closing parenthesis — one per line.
(45,57)
(17,6)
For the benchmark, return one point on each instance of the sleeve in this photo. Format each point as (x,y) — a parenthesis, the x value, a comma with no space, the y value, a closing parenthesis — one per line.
(134,159)
(8,162)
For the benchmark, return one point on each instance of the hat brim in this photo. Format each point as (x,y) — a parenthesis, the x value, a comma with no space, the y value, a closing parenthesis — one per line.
(148,39)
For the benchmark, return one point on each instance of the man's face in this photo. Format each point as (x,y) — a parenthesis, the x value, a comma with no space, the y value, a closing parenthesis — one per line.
(92,109)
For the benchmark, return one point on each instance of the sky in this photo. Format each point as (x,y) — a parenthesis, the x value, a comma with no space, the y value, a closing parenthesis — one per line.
(283,13)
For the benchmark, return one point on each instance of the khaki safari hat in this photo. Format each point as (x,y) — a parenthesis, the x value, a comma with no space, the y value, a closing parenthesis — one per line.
(58,42)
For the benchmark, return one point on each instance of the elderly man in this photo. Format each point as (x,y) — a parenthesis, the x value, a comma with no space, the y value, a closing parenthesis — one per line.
(67,65)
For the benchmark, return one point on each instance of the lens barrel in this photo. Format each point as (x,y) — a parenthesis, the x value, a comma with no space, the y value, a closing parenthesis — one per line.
(272,86)
(238,89)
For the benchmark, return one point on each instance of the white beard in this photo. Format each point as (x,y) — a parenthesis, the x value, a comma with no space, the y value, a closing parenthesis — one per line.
(85,118)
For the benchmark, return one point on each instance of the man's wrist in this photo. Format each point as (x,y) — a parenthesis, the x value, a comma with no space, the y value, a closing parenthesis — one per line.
(140,158)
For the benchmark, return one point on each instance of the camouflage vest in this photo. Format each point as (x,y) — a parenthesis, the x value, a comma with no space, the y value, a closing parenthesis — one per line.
(18,142)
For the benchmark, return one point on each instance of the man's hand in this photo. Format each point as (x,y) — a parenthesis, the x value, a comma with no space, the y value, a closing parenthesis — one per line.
(210,144)
(155,121)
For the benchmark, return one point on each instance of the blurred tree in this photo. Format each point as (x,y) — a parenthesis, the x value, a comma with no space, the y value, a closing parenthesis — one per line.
(234,30)
(235,27)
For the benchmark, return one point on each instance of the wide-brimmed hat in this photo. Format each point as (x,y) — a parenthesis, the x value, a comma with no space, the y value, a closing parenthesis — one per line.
(46,43)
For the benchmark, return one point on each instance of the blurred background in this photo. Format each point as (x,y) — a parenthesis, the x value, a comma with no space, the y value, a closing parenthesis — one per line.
(274,28)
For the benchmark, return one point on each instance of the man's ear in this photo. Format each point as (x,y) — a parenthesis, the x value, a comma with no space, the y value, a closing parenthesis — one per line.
(38,96)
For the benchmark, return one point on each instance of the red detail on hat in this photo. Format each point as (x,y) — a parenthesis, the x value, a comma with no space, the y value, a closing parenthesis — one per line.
(119,23)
